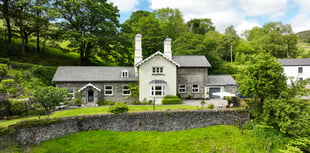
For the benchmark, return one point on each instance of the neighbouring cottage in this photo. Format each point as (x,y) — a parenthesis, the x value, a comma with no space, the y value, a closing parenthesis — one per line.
(158,75)
(297,69)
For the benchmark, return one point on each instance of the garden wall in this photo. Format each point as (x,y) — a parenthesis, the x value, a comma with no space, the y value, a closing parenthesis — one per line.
(37,131)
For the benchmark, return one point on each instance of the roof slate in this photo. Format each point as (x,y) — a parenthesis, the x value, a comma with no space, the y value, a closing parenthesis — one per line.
(92,74)
(220,80)
(191,60)
(295,62)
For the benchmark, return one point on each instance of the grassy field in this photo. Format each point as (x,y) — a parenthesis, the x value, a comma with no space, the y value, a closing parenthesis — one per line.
(215,139)
(99,110)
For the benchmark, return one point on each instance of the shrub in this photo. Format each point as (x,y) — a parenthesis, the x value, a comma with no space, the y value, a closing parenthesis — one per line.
(118,108)
(105,102)
(17,107)
(77,101)
(210,106)
(3,70)
(188,97)
(170,99)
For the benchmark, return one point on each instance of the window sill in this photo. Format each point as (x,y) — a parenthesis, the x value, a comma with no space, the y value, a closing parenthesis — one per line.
(158,74)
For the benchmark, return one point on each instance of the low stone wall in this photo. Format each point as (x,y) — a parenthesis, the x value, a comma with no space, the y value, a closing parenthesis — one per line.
(138,121)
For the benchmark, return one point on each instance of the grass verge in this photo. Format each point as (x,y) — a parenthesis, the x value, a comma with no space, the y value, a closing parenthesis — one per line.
(99,110)
(215,139)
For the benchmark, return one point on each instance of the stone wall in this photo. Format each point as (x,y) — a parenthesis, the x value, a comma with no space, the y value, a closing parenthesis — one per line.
(138,121)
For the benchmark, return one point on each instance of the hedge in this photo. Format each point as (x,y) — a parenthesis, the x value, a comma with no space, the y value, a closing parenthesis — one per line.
(171,97)
(171,101)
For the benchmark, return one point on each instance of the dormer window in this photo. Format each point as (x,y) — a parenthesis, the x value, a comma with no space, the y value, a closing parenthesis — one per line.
(125,74)
(158,70)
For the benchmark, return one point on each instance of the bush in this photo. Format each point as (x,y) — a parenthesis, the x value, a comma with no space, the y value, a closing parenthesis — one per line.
(17,107)
(170,99)
(77,101)
(3,70)
(210,106)
(105,102)
(188,97)
(118,108)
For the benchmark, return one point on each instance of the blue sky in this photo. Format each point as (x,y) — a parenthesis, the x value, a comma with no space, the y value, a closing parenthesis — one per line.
(242,14)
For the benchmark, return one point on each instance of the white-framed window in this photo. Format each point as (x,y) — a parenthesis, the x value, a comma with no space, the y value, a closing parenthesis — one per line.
(157,90)
(195,88)
(182,88)
(300,69)
(158,70)
(108,90)
(125,74)
(125,90)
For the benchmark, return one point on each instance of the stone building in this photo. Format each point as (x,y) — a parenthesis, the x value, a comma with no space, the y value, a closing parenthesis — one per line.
(158,75)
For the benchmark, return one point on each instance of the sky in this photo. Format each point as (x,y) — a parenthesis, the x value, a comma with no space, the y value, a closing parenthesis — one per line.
(242,14)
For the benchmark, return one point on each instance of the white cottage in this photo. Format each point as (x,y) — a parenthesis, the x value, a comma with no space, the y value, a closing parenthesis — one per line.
(296,69)
(158,75)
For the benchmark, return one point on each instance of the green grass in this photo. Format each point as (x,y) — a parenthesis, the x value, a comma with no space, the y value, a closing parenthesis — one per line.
(98,110)
(215,139)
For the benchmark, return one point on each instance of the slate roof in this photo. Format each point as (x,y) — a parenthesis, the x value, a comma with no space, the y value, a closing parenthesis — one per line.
(295,62)
(153,55)
(92,74)
(191,60)
(221,80)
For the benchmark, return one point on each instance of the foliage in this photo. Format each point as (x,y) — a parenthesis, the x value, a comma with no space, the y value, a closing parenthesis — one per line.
(17,107)
(210,106)
(134,90)
(118,108)
(88,32)
(275,37)
(221,138)
(287,115)
(105,102)
(171,99)
(3,70)
(77,101)
(202,103)
(262,79)
(200,26)
(45,74)
(8,86)
(50,97)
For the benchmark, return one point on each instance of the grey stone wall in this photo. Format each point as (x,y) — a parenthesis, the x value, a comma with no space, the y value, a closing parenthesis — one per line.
(117,90)
(191,76)
(139,121)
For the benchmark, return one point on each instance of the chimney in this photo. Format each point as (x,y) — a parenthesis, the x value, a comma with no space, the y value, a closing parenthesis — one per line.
(167,47)
(138,48)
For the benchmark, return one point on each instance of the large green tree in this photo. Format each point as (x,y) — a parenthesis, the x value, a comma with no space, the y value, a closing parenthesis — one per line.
(275,37)
(262,79)
(90,25)
(171,22)
(200,26)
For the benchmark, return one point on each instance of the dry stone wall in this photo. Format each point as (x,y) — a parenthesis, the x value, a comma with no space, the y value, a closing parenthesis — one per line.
(139,121)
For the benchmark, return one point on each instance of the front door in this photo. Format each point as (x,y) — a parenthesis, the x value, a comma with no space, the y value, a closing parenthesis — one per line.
(90,96)
(213,90)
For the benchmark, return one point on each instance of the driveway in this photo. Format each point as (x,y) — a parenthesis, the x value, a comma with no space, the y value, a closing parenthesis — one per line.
(216,102)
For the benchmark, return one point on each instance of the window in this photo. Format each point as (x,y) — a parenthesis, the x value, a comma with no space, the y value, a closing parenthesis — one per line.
(71,92)
(108,90)
(195,88)
(125,74)
(126,90)
(157,90)
(182,88)
(299,69)
(158,70)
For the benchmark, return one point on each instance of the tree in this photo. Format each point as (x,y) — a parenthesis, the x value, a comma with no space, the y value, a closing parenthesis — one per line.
(171,22)
(262,79)
(145,23)
(200,26)
(89,25)
(6,15)
(3,70)
(50,97)
(275,37)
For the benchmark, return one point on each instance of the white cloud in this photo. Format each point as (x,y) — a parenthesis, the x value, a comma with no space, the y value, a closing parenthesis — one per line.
(304,5)
(270,8)
(125,5)
(300,22)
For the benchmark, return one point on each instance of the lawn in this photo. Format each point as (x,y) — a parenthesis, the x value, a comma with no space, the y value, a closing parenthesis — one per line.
(99,110)
(217,139)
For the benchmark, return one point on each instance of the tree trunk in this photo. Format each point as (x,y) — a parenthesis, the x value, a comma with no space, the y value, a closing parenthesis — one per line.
(8,24)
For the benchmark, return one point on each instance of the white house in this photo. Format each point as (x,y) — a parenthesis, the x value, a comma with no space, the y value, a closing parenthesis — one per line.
(296,69)
(158,75)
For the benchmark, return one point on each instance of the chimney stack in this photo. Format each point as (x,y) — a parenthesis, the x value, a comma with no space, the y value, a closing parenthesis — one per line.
(138,48)
(167,47)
